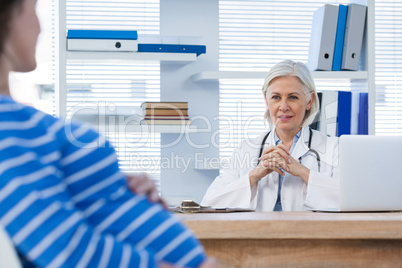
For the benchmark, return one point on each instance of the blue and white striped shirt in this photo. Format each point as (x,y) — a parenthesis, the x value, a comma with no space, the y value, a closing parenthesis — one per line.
(64,202)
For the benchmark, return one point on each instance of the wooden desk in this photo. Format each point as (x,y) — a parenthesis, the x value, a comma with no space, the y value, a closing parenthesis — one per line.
(300,239)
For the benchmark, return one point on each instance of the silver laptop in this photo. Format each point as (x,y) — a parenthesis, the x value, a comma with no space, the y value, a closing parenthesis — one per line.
(370,173)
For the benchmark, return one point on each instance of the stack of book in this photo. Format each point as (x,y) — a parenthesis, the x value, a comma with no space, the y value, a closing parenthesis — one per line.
(337,37)
(165,113)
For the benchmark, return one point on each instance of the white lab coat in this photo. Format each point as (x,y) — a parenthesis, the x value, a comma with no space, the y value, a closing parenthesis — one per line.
(232,188)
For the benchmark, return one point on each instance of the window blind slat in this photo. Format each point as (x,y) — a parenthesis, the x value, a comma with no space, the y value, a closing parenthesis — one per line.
(388,28)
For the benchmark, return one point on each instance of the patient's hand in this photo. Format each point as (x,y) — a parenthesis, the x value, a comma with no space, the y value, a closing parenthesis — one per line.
(139,183)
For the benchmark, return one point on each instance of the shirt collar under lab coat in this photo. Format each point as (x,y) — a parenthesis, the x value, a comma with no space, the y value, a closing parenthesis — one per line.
(295,139)
(301,146)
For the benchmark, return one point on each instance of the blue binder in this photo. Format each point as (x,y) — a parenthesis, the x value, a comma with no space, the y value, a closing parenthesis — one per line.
(363,114)
(102,34)
(172,48)
(344,112)
(340,36)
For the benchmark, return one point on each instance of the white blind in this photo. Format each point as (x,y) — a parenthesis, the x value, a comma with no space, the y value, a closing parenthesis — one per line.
(254,35)
(388,56)
(112,86)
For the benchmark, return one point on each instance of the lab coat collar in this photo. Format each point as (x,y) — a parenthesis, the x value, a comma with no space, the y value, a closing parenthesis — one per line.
(301,147)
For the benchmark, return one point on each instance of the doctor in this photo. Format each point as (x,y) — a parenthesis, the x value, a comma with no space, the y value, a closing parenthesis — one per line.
(289,168)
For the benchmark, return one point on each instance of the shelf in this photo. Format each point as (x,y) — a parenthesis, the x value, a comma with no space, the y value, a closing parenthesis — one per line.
(216,75)
(132,56)
(340,75)
(135,128)
(125,121)
(151,128)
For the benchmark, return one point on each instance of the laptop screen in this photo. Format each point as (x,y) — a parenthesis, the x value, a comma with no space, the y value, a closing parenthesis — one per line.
(370,173)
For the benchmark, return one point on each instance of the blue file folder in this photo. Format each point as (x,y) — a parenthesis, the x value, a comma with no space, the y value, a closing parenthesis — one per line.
(172,48)
(344,112)
(102,34)
(340,36)
(363,114)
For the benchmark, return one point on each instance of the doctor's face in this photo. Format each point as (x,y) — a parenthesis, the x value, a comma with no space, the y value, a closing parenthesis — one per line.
(287,103)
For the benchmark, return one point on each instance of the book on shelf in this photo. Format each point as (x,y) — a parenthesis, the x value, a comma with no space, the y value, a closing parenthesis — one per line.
(102,40)
(167,117)
(165,122)
(164,112)
(164,105)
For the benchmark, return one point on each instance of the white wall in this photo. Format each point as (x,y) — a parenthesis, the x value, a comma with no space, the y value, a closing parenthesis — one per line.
(190,18)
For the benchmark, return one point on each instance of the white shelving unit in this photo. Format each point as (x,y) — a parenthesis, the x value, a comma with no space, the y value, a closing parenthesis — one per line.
(180,58)
(178,129)
(126,119)
(171,58)
(370,64)
(217,75)
(61,77)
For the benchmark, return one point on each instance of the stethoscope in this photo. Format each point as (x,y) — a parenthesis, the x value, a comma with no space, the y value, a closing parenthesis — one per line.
(317,156)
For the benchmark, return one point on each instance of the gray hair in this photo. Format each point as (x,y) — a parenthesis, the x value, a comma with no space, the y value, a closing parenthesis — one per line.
(301,71)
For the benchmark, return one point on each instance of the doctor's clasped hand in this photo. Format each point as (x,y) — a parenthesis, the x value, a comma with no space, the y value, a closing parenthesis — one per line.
(278,159)
(275,158)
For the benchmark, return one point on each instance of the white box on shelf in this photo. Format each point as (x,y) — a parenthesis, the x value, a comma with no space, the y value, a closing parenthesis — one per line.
(102,45)
(102,40)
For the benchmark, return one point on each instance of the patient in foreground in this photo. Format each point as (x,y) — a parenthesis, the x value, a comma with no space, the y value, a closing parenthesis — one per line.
(63,200)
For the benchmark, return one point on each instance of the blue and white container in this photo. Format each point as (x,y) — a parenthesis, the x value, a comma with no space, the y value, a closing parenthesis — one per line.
(102,40)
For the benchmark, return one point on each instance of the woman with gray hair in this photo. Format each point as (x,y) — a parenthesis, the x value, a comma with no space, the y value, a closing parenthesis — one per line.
(290,168)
